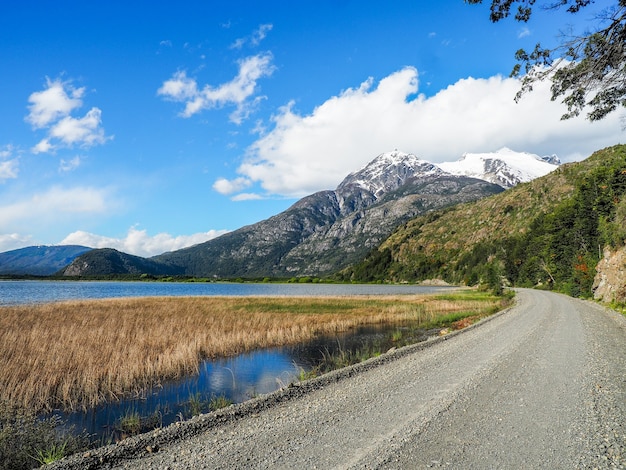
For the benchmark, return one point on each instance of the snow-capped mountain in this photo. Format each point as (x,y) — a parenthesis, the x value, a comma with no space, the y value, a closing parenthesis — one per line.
(388,171)
(504,167)
(331,229)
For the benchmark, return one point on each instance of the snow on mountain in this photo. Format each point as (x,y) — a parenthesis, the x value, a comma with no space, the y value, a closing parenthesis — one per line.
(389,171)
(504,167)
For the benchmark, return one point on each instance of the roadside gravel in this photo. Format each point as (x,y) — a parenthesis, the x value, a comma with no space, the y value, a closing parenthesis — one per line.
(541,385)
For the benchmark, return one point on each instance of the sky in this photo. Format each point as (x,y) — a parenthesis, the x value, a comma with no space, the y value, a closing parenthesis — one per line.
(151,126)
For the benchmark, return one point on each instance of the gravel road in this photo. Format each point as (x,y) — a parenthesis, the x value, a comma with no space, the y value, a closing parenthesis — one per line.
(541,385)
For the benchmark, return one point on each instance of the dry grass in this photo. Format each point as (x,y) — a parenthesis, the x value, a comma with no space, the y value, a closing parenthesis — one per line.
(82,353)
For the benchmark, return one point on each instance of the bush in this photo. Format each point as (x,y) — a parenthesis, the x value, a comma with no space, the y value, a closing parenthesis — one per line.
(27,441)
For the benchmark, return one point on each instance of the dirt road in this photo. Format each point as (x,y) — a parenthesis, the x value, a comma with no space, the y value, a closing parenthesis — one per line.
(542,385)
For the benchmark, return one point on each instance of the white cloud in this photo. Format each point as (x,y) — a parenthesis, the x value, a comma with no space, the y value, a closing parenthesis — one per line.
(69,165)
(59,99)
(259,34)
(237,92)
(43,146)
(54,205)
(238,44)
(6,151)
(8,169)
(307,153)
(138,242)
(224,186)
(255,38)
(8,165)
(85,131)
(179,87)
(13,241)
(247,197)
(51,109)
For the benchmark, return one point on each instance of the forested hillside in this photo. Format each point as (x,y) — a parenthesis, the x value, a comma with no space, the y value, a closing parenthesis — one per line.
(549,232)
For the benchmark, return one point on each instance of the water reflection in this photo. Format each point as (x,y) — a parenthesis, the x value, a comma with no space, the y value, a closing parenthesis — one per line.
(236,379)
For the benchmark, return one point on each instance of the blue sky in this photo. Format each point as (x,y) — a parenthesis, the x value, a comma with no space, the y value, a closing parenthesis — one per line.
(149,126)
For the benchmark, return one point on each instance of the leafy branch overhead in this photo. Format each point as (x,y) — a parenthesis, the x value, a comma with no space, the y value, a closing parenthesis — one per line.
(586,70)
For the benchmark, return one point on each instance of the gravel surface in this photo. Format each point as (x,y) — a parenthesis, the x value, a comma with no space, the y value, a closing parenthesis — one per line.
(541,385)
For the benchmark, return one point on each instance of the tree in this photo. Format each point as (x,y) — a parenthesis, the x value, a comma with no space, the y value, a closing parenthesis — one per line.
(586,70)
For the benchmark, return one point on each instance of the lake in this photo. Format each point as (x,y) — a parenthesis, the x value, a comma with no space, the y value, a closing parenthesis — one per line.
(28,292)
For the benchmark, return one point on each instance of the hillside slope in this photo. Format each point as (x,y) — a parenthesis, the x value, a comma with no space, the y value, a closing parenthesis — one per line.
(107,261)
(549,231)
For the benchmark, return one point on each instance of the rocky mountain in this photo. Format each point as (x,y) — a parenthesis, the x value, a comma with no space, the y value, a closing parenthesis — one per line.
(39,260)
(505,167)
(328,230)
(564,231)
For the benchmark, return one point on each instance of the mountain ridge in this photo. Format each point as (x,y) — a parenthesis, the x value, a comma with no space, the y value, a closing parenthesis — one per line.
(325,230)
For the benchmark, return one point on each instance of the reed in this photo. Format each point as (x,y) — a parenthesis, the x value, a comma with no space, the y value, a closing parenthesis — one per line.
(79,354)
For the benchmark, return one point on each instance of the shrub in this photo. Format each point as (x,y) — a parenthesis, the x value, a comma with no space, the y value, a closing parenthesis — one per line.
(27,441)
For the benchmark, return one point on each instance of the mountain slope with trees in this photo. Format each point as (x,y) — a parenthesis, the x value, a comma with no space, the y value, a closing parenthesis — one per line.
(549,232)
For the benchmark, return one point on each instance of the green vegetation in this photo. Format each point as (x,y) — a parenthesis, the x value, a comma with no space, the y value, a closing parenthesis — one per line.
(27,441)
(51,454)
(218,402)
(548,233)
(480,304)
(130,423)
(199,403)
(586,70)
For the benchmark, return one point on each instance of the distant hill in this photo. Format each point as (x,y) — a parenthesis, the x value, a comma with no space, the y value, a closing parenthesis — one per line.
(550,231)
(105,261)
(39,260)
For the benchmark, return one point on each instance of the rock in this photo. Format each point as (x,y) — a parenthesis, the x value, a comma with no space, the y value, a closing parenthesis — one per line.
(609,284)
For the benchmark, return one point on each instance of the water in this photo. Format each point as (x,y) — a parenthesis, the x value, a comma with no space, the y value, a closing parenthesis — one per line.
(236,379)
(29,292)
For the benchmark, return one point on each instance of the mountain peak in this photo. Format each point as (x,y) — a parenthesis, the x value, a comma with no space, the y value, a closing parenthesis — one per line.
(389,171)
(505,167)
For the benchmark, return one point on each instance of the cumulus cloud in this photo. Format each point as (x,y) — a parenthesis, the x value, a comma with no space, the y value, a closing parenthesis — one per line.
(85,131)
(304,153)
(238,92)
(138,242)
(59,99)
(224,186)
(51,109)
